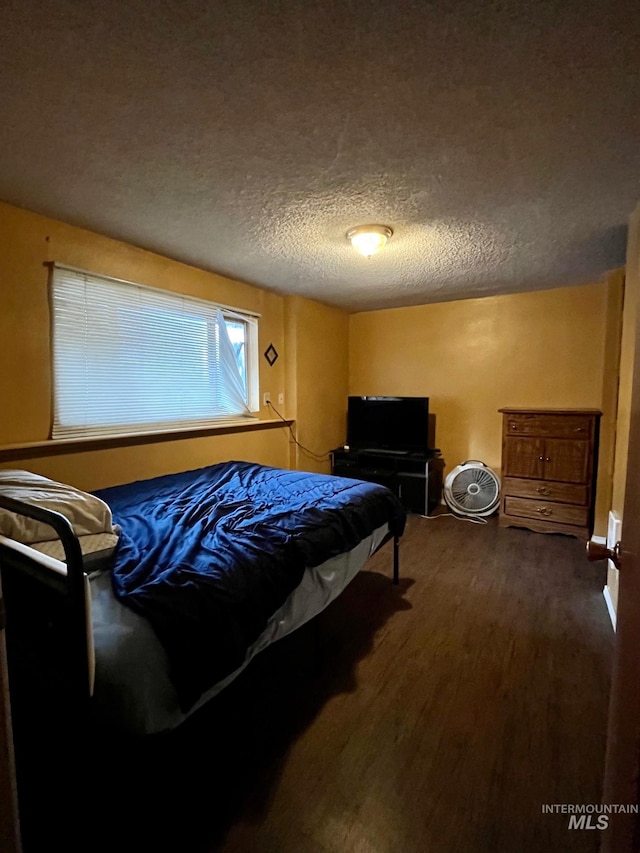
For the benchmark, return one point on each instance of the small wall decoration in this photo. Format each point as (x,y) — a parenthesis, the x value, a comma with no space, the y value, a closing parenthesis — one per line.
(271,354)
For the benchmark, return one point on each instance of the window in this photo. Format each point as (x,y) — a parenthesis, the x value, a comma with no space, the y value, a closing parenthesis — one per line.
(129,358)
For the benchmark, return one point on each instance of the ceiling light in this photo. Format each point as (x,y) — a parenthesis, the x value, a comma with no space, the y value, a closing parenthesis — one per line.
(369,239)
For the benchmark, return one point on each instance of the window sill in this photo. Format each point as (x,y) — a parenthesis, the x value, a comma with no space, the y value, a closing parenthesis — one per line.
(51,447)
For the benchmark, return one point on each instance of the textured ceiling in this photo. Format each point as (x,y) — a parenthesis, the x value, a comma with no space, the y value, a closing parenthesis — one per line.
(499,140)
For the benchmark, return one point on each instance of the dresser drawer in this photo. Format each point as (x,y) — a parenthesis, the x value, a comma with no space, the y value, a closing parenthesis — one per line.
(547,511)
(558,426)
(545,490)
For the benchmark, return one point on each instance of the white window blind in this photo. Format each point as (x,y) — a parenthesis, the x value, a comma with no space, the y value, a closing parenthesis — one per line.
(129,358)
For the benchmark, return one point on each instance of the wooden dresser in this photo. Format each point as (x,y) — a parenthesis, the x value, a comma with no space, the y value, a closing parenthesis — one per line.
(549,466)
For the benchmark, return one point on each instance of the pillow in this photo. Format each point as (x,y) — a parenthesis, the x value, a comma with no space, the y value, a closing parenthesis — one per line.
(87,513)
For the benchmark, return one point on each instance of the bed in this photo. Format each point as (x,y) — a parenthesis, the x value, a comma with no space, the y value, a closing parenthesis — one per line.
(145,603)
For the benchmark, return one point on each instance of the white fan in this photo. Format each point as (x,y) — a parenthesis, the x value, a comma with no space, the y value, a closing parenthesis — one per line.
(472,489)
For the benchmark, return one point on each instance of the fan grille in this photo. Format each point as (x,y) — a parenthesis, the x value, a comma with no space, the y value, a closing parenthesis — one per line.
(472,489)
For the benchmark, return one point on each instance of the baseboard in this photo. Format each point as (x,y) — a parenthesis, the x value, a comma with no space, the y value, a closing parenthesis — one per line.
(610,607)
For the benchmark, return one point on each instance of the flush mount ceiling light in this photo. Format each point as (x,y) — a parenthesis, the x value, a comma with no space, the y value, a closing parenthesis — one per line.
(369,239)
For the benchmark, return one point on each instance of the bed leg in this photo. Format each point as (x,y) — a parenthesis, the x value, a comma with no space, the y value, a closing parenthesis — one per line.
(317,658)
(396,559)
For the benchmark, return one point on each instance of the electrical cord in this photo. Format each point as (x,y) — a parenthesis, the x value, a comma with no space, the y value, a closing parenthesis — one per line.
(454,515)
(319,457)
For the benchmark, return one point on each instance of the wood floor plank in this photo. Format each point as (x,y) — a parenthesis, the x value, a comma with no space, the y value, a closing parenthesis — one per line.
(483,697)
(436,716)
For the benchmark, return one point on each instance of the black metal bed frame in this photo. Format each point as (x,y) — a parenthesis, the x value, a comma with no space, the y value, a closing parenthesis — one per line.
(55,734)
(46,614)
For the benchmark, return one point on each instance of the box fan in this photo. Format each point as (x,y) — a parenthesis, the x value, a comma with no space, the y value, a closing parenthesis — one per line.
(472,489)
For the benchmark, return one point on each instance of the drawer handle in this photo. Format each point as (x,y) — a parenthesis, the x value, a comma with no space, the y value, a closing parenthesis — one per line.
(543,490)
(544,510)
(541,458)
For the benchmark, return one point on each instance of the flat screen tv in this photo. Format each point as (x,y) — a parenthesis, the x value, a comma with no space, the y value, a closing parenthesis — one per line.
(394,424)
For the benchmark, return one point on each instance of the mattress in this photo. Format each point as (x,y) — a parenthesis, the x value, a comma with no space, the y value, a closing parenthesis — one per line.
(97,550)
(207,556)
(133,690)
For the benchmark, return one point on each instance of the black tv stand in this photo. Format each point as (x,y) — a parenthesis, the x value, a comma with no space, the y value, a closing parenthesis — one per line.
(415,477)
(383,451)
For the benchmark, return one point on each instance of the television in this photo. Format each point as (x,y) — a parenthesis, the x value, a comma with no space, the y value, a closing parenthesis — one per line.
(390,424)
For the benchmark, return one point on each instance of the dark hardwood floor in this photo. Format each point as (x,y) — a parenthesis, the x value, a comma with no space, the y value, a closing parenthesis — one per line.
(433,717)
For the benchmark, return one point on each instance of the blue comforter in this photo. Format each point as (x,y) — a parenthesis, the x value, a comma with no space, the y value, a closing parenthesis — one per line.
(207,556)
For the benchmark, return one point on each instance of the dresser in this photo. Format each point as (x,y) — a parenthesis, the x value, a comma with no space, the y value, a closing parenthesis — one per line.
(549,467)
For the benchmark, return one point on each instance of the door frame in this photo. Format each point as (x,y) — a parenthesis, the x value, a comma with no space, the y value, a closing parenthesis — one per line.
(621,785)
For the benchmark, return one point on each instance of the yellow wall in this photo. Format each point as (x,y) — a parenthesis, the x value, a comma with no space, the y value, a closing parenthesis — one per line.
(28,241)
(474,356)
(317,383)
(109,466)
(549,348)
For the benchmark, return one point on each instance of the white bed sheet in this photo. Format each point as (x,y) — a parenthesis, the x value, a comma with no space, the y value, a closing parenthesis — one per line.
(133,691)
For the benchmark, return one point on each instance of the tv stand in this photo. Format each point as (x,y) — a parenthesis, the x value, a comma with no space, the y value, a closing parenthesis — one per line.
(384,452)
(415,477)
